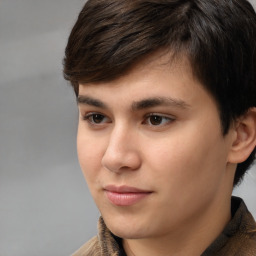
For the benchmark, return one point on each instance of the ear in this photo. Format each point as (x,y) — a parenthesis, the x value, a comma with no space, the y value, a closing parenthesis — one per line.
(244,140)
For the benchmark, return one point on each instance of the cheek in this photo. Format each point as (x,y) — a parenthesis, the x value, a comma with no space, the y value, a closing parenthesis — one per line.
(187,158)
(183,173)
(90,162)
(89,154)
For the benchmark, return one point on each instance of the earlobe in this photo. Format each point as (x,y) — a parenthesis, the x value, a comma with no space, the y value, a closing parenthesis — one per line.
(245,138)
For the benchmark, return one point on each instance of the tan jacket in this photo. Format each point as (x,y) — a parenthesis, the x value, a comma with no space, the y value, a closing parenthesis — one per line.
(237,239)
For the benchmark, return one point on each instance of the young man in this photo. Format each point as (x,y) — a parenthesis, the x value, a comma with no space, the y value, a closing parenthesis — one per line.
(166,91)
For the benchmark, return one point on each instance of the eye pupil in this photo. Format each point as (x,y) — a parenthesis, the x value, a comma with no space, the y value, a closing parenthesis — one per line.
(156,120)
(97,118)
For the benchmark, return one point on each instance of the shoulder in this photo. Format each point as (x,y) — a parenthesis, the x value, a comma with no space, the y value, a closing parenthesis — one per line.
(242,244)
(90,248)
(239,236)
(241,231)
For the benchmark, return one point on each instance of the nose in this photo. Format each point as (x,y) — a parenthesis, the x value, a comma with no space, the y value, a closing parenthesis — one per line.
(121,152)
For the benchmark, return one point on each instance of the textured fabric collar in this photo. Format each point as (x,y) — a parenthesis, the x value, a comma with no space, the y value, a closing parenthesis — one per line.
(110,244)
(239,236)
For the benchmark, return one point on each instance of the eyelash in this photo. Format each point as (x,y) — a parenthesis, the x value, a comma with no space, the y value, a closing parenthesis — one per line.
(89,116)
(168,119)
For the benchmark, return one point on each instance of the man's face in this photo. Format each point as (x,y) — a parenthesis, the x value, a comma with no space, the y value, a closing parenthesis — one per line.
(151,150)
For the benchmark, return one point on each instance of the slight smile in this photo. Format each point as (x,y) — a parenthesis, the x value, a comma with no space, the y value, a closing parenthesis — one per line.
(124,195)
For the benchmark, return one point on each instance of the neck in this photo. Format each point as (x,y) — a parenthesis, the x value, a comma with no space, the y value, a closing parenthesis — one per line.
(190,239)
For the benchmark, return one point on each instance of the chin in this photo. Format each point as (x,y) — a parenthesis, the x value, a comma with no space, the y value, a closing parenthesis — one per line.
(127,234)
(125,228)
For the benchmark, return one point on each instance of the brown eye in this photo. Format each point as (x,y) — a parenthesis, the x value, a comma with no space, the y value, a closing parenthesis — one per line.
(97,118)
(158,120)
(155,120)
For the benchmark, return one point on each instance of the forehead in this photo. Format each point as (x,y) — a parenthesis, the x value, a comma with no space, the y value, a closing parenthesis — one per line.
(157,75)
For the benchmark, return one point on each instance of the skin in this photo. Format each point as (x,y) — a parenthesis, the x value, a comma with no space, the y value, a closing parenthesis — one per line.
(179,155)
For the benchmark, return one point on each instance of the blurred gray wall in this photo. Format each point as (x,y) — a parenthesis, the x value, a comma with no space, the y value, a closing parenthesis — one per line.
(45,207)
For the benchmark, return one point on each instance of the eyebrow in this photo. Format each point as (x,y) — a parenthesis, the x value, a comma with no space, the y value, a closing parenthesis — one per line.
(85,100)
(159,101)
(137,105)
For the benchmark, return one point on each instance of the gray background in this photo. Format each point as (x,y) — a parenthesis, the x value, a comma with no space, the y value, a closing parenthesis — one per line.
(45,206)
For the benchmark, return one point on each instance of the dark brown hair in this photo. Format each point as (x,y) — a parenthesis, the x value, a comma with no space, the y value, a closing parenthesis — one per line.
(217,36)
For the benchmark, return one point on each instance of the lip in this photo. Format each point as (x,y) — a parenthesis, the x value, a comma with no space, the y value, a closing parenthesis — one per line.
(125,195)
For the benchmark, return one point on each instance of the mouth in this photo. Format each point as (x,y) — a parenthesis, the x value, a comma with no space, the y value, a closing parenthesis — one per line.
(125,195)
